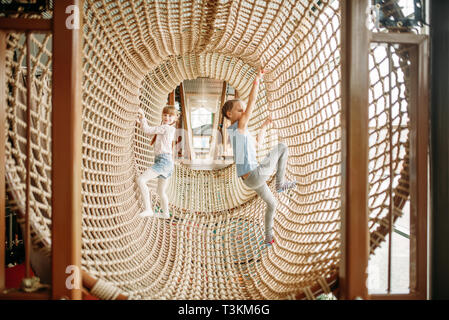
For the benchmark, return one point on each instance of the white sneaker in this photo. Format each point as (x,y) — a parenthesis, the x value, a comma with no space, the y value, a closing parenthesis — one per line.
(146,213)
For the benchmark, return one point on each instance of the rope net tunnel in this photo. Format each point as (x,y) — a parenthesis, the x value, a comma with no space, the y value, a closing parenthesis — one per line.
(134,54)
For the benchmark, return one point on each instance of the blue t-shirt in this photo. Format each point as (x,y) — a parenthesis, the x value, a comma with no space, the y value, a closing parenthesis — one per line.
(244,150)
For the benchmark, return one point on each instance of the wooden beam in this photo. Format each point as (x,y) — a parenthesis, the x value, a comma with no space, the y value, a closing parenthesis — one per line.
(66,151)
(223,122)
(394,38)
(24,24)
(171,98)
(2,155)
(188,143)
(27,233)
(422,166)
(199,95)
(218,119)
(412,296)
(355,85)
(17,294)
(419,147)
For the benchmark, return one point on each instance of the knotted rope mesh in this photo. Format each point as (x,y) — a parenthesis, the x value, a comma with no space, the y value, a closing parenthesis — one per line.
(134,54)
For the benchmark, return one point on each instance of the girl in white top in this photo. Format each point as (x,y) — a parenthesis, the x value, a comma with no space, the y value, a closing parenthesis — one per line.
(163,161)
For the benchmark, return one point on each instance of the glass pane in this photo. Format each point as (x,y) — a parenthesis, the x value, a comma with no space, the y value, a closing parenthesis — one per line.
(201,142)
(201,117)
(400,273)
(389,125)
(378,270)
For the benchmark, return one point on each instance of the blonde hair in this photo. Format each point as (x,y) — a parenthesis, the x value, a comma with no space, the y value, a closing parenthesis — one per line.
(171,110)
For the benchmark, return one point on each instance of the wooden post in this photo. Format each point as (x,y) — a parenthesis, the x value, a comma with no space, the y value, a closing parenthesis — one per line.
(66,151)
(25,24)
(171,98)
(440,150)
(171,102)
(2,155)
(422,165)
(355,85)
(27,233)
(218,119)
(188,143)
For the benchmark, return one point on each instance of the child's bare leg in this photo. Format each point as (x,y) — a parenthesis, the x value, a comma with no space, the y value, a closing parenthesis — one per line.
(265,193)
(142,182)
(161,186)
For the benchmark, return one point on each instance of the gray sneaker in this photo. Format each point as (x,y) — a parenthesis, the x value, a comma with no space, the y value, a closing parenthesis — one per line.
(287,185)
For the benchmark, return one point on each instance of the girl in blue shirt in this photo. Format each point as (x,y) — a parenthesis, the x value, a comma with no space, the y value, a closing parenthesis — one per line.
(255,175)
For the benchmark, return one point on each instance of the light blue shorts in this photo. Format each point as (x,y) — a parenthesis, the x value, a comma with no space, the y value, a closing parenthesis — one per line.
(163,164)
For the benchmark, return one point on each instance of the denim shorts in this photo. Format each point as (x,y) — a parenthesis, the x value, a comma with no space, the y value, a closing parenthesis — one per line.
(163,164)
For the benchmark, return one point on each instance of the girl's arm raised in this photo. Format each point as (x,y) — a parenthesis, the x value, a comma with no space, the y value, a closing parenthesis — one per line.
(146,128)
(151,130)
(261,135)
(243,122)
